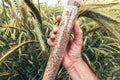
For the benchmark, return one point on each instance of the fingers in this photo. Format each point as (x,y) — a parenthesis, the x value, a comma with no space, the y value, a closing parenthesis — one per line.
(58,19)
(53,32)
(50,41)
(55,29)
(77,33)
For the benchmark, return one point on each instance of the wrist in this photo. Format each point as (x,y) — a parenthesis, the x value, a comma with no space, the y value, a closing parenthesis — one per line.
(72,70)
(81,71)
(75,63)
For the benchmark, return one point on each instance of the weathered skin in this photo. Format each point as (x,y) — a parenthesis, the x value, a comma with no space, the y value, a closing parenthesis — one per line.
(65,27)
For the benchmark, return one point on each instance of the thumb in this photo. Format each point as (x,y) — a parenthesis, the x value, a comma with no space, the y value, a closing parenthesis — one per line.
(77,33)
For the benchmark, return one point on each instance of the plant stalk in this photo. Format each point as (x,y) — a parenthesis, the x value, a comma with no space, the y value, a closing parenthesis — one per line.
(69,15)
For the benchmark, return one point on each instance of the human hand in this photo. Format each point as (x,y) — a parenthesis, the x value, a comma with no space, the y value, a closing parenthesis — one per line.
(72,59)
(72,53)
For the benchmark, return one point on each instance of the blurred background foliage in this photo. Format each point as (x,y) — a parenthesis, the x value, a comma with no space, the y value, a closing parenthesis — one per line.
(25,28)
